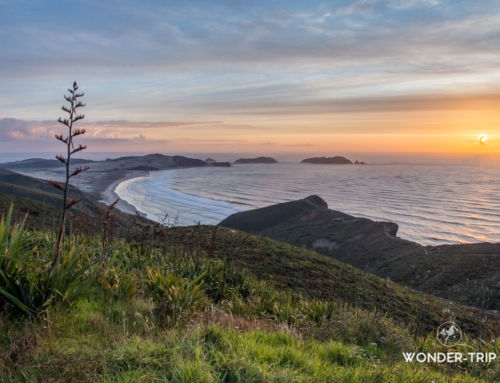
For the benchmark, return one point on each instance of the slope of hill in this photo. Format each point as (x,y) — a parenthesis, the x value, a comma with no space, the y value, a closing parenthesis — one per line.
(213,304)
(318,276)
(177,313)
(42,202)
(469,274)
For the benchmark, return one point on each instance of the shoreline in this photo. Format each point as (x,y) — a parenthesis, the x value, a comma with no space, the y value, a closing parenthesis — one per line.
(99,184)
(170,203)
(109,195)
(106,189)
(192,203)
(102,180)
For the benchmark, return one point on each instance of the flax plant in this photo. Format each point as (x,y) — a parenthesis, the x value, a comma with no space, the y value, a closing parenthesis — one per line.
(73,99)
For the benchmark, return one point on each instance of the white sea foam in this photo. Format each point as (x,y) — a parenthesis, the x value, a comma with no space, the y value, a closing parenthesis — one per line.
(433,204)
(153,196)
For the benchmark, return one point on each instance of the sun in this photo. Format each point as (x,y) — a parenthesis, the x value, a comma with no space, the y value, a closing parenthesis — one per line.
(482,139)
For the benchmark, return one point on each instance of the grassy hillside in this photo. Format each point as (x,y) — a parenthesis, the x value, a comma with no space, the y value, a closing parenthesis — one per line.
(317,276)
(181,310)
(468,274)
(206,304)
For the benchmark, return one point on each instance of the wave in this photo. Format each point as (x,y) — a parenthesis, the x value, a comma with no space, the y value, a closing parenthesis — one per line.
(431,204)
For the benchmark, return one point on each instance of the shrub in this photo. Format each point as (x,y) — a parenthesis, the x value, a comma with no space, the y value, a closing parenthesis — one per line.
(14,253)
(176,299)
(319,311)
(222,281)
(26,280)
(117,278)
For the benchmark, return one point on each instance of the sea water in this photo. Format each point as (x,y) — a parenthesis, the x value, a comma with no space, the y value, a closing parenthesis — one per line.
(431,203)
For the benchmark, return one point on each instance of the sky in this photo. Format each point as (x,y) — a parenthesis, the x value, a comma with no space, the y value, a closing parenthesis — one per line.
(275,76)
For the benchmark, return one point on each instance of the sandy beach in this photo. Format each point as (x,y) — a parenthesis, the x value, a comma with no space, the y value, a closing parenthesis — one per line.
(103,177)
(108,195)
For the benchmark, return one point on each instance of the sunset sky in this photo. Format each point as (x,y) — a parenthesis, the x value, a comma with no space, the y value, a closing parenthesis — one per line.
(265,76)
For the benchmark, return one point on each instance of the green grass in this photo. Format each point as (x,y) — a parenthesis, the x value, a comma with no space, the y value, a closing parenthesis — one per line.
(100,341)
(317,276)
(464,273)
(186,305)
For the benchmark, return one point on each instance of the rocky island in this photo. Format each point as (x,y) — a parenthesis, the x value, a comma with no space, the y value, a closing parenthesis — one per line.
(258,160)
(337,160)
(211,162)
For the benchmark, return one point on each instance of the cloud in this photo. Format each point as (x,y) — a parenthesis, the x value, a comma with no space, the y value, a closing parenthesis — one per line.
(12,129)
(134,140)
(235,69)
(196,40)
(372,7)
(124,124)
(317,102)
(404,4)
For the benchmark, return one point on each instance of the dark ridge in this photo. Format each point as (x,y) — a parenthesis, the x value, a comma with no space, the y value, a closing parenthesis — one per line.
(316,200)
(148,162)
(41,163)
(5,172)
(186,161)
(254,221)
(144,157)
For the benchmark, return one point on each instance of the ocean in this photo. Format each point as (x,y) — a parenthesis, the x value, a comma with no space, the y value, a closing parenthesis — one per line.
(442,203)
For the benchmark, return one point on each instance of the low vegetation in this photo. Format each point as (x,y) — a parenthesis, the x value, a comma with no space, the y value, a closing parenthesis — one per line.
(184,305)
(465,273)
